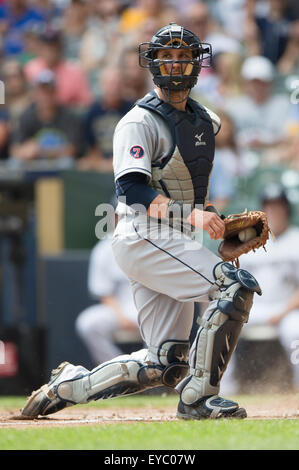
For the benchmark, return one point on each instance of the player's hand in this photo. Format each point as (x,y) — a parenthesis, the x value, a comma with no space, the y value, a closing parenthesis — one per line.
(127,324)
(208,221)
(276,319)
(28,151)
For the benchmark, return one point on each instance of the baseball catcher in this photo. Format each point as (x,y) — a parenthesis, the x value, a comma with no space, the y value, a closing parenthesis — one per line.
(163,155)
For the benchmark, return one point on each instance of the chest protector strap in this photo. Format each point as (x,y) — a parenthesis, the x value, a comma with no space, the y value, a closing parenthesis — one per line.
(184,174)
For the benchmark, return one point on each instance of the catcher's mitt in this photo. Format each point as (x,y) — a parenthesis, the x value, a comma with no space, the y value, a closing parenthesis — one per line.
(232,247)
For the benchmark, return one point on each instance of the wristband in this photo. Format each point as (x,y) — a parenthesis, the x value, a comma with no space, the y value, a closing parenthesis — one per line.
(211,208)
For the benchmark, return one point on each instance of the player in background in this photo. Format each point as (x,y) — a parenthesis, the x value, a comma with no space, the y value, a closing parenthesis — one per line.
(115,308)
(163,157)
(276,313)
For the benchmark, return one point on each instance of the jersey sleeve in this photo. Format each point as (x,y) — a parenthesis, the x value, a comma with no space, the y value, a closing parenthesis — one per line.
(133,149)
(216,121)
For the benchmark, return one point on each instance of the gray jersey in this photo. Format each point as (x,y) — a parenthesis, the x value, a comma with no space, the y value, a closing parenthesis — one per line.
(141,139)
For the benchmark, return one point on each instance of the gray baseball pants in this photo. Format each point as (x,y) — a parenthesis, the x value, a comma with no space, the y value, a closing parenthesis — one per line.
(168,273)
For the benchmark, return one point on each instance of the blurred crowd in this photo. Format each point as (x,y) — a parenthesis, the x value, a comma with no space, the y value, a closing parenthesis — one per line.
(70,71)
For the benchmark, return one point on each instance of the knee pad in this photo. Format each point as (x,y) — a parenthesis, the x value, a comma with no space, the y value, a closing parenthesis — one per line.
(234,288)
(173,357)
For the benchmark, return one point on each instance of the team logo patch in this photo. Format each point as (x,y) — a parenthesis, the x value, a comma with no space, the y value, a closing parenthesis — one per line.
(199,140)
(136,151)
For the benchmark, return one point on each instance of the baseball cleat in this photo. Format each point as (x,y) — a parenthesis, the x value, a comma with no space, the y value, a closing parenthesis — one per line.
(44,401)
(213,407)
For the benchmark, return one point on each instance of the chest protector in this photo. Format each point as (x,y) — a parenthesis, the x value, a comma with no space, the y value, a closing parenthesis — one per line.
(183,175)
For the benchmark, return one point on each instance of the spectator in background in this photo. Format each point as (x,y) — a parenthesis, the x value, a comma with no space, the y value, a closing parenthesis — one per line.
(17,96)
(289,63)
(102,117)
(197,18)
(144,33)
(72,85)
(278,272)
(102,33)
(115,308)
(32,33)
(287,152)
(51,10)
(74,22)
(47,131)
(131,40)
(227,66)
(17,99)
(225,84)
(4,134)
(15,15)
(133,17)
(227,165)
(137,80)
(293,8)
(231,15)
(210,87)
(258,114)
(272,32)
(134,78)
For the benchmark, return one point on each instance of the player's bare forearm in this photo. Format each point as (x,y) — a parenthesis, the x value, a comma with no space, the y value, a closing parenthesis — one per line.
(27,150)
(158,207)
(208,221)
(112,302)
(65,150)
(293,304)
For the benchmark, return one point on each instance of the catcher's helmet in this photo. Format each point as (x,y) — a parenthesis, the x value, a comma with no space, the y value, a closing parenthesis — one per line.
(174,36)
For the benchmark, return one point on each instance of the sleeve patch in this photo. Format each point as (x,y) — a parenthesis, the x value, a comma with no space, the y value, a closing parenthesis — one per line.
(136,151)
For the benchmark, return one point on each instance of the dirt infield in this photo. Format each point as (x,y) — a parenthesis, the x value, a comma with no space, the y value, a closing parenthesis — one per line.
(270,407)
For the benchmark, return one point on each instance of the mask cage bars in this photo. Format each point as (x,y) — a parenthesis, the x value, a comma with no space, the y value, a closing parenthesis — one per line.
(202,54)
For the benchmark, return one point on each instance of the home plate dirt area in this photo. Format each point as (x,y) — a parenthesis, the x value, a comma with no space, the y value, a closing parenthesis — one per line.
(258,407)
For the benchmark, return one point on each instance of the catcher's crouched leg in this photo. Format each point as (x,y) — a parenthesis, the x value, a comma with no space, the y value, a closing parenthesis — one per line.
(216,340)
(124,375)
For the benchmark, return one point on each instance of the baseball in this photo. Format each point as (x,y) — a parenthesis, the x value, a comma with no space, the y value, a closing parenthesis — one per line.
(247,234)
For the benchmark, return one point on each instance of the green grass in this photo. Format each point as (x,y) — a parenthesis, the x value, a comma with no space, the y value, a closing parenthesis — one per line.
(174,435)
(225,434)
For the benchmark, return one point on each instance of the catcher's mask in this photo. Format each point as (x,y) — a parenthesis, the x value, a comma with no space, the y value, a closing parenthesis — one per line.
(174,36)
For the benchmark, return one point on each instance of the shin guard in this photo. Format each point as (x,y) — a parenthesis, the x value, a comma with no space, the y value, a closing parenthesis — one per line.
(218,334)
